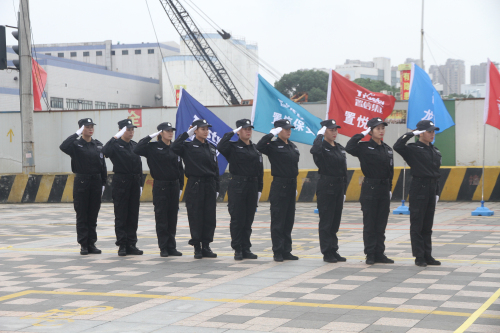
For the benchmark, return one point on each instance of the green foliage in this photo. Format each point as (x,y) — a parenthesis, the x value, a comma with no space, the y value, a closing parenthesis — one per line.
(375,85)
(314,82)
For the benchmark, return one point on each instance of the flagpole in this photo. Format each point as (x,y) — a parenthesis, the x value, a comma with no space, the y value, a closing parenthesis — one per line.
(403,210)
(484,149)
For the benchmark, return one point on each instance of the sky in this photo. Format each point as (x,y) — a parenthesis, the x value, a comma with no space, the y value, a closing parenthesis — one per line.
(291,34)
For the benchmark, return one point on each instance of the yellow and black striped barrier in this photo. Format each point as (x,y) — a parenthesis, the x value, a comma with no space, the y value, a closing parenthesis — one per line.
(456,184)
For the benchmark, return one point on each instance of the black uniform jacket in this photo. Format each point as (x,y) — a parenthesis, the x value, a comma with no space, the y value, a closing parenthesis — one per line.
(122,155)
(330,160)
(284,157)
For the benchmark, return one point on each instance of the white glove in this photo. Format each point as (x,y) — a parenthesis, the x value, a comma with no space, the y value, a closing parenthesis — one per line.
(417,132)
(276,131)
(141,192)
(217,196)
(119,134)
(390,195)
(103,190)
(237,130)
(322,131)
(79,132)
(180,194)
(437,199)
(190,131)
(258,197)
(344,197)
(365,133)
(154,134)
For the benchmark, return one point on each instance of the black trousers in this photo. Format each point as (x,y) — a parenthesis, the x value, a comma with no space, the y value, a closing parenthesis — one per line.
(282,198)
(422,207)
(242,203)
(201,203)
(330,196)
(375,204)
(166,202)
(126,195)
(87,190)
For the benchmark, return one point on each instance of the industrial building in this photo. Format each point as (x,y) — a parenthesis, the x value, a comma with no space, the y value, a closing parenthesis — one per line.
(378,69)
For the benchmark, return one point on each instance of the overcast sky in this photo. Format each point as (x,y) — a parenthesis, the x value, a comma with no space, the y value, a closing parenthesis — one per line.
(291,34)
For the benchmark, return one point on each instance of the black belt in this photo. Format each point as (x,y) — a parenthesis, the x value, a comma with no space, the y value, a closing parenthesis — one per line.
(285,180)
(332,178)
(375,181)
(88,175)
(201,179)
(128,175)
(244,178)
(165,182)
(426,179)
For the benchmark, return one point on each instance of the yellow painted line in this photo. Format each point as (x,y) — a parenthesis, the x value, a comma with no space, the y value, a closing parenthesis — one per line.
(452,185)
(18,187)
(67,195)
(491,173)
(354,186)
(230,300)
(478,312)
(44,189)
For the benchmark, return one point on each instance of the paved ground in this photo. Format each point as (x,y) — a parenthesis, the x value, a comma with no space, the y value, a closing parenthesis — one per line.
(46,286)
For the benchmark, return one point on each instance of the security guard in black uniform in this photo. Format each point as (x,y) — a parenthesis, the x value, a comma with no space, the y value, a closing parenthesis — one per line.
(425,161)
(202,188)
(127,186)
(330,158)
(284,157)
(245,188)
(377,165)
(89,166)
(168,174)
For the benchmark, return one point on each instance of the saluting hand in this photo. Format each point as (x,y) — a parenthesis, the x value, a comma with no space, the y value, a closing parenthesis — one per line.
(154,134)
(191,130)
(276,131)
(119,134)
(417,132)
(365,133)
(322,131)
(237,130)
(80,130)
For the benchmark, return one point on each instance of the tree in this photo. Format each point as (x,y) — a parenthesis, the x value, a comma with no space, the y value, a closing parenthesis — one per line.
(314,82)
(375,85)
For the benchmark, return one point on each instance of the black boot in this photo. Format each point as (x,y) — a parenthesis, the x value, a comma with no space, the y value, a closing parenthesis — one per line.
(84,250)
(238,255)
(338,256)
(207,252)
(174,252)
(132,249)
(122,250)
(329,257)
(289,256)
(247,254)
(370,258)
(429,260)
(197,251)
(382,258)
(278,257)
(163,253)
(420,261)
(94,250)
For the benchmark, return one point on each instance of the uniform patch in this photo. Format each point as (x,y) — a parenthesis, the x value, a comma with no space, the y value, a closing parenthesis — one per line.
(160,148)
(80,146)
(196,146)
(239,147)
(371,148)
(281,146)
(99,147)
(101,155)
(390,151)
(327,149)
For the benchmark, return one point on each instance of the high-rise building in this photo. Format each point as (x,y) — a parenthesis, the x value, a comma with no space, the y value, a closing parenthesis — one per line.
(478,73)
(453,74)
(378,69)
(434,74)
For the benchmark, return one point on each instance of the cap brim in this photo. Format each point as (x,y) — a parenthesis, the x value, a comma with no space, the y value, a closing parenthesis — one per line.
(130,126)
(167,128)
(287,126)
(333,126)
(86,124)
(380,123)
(433,128)
(207,125)
(246,126)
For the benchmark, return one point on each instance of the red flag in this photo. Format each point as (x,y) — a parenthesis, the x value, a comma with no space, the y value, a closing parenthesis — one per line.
(352,105)
(39,79)
(492,99)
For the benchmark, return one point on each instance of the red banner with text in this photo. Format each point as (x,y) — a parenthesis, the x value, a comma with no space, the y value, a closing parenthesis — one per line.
(39,79)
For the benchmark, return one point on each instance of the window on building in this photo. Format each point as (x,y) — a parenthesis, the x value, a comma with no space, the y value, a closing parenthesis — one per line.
(86,105)
(112,105)
(134,106)
(99,53)
(151,51)
(145,106)
(48,54)
(124,52)
(86,54)
(56,102)
(112,52)
(137,51)
(72,54)
(60,55)
(100,105)
(124,106)
(71,104)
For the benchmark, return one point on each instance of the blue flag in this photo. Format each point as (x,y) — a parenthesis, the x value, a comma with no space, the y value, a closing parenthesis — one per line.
(188,111)
(425,103)
(270,105)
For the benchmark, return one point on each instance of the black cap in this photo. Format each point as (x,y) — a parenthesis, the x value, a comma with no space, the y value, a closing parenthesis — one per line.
(126,123)
(244,123)
(200,123)
(283,123)
(426,125)
(374,122)
(85,121)
(165,126)
(329,123)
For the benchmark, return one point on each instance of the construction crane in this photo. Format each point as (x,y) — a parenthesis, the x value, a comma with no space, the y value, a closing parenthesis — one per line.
(201,50)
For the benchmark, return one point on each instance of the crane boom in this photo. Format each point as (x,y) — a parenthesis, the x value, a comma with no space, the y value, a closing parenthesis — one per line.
(201,50)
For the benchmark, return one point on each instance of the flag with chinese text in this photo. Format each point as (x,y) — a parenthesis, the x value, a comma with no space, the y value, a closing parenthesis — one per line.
(492,99)
(270,105)
(352,105)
